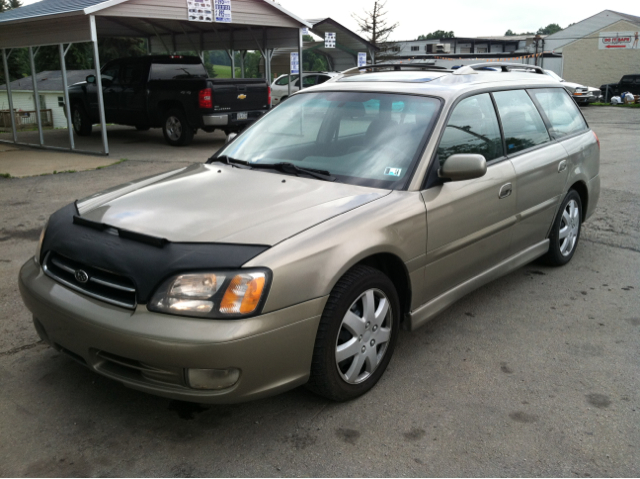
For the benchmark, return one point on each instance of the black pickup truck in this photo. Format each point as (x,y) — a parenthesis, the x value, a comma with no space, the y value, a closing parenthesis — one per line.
(171,92)
(630,83)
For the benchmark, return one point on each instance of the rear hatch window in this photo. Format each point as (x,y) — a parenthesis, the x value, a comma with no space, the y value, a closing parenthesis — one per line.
(177,71)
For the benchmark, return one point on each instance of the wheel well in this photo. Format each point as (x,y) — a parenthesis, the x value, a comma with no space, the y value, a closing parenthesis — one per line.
(394,268)
(581,189)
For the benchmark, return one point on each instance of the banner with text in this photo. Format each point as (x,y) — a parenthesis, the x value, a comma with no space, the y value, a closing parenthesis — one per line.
(362,59)
(295,63)
(618,40)
(222,11)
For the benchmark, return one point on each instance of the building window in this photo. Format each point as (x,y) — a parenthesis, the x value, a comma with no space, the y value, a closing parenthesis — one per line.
(61,102)
(481,50)
(415,49)
(43,102)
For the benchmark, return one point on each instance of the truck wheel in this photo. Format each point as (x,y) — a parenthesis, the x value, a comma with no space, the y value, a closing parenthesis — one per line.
(81,122)
(176,129)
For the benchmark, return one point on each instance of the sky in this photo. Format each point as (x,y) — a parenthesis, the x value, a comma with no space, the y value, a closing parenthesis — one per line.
(466,18)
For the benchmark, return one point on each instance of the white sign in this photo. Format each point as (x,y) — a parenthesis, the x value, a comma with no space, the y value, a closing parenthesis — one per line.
(200,11)
(222,11)
(295,63)
(618,40)
(329,40)
(305,31)
(362,59)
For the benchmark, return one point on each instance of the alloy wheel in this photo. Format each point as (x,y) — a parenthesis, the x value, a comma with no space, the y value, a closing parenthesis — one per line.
(569,228)
(174,128)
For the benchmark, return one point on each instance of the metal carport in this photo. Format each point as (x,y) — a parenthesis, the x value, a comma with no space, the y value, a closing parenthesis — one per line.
(257,25)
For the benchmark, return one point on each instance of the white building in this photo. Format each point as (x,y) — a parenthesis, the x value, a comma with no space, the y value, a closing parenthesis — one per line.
(51,96)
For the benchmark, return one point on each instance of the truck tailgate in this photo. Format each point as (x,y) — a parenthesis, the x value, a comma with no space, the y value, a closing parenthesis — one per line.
(240,95)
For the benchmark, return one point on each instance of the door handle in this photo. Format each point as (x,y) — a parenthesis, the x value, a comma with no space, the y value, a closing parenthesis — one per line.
(562,166)
(505,191)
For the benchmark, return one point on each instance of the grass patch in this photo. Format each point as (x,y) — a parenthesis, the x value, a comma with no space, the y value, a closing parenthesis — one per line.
(121,160)
(224,71)
(623,105)
(5,175)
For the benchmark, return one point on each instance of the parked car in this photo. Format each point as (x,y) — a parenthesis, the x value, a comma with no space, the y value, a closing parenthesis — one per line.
(280,86)
(628,83)
(169,92)
(583,95)
(296,253)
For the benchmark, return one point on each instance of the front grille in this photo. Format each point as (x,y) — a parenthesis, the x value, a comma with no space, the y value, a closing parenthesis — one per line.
(108,287)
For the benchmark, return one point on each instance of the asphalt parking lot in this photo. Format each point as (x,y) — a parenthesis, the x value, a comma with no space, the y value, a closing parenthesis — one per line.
(536,374)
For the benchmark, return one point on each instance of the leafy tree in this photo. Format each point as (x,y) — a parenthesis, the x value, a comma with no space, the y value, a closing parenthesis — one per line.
(4,6)
(510,33)
(549,29)
(437,35)
(14,4)
(374,24)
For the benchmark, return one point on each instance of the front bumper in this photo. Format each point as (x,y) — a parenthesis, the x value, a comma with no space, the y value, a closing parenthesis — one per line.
(151,351)
(585,98)
(231,119)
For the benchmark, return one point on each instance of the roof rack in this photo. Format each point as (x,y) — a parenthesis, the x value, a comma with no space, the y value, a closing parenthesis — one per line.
(396,67)
(504,68)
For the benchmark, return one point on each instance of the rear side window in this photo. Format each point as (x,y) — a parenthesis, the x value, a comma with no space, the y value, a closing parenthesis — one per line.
(561,111)
(285,80)
(132,73)
(522,124)
(472,128)
(177,71)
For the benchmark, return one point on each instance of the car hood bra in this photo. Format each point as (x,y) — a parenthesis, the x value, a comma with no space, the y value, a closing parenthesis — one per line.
(224,204)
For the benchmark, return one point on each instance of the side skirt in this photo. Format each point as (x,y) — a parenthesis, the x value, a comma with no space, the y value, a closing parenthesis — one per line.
(429,310)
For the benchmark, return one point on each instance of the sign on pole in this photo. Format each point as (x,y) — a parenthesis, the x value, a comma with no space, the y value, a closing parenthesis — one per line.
(329,40)
(305,31)
(618,41)
(295,63)
(362,59)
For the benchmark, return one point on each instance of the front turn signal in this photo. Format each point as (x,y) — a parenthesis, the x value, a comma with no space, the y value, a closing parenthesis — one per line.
(243,293)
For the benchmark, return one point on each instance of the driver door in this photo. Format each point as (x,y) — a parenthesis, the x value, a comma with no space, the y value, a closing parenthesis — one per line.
(469,222)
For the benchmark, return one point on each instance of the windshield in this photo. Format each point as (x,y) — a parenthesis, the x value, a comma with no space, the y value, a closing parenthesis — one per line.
(370,139)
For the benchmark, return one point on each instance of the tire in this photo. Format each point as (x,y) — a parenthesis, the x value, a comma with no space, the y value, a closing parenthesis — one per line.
(565,232)
(176,129)
(81,121)
(364,341)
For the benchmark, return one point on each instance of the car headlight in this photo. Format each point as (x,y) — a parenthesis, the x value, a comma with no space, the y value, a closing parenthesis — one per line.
(225,294)
(40,241)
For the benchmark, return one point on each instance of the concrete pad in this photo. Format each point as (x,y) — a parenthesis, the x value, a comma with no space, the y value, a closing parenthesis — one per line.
(29,162)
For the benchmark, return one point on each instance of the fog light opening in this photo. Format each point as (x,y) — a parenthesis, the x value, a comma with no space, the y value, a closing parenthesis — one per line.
(212,379)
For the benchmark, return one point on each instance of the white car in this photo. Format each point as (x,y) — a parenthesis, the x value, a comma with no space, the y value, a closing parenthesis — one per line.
(280,86)
(583,95)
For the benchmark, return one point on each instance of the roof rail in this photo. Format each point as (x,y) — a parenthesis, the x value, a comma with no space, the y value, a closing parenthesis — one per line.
(504,68)
(396,67)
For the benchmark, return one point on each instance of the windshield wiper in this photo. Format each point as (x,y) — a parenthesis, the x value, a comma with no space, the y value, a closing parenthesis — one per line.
(292,169)
(227,160)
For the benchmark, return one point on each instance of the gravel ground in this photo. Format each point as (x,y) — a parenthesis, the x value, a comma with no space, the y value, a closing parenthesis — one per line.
(536,374)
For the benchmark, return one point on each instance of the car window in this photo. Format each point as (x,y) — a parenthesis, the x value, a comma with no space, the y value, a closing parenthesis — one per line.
(561,111)
(521,122)
(285,80)
(472,128)
(132,73)
(372,139)
(175,71)
(111,72)
(322,79)
(309,81)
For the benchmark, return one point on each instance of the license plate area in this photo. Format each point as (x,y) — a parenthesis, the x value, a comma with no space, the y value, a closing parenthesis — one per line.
(242,116)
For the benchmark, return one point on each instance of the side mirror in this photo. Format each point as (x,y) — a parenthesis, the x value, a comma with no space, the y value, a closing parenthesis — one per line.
(463,167)
(91,79)
(231,137)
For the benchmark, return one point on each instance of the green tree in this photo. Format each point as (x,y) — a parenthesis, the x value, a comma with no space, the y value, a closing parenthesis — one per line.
(374,24)
(4,6)
(510,33)
(438,34)
(14,4)
(549,29)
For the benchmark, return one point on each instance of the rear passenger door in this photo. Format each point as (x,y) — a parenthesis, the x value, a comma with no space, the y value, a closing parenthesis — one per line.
(133,95)
(540,164)
(469,222)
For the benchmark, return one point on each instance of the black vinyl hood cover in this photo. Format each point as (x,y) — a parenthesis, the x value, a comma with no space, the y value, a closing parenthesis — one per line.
(145,264)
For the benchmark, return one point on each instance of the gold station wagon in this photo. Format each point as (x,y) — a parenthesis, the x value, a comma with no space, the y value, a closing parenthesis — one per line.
(295,254)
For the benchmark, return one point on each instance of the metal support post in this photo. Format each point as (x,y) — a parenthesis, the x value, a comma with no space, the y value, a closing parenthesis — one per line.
(65,90)
(36,95)
(300,40)
(232,55)
(96,59)
(243,55)
(12,114)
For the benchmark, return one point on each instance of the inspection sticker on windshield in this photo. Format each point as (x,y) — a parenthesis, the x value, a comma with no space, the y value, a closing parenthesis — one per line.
(392,171)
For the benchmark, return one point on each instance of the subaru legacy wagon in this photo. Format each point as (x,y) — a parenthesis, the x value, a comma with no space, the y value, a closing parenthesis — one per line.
(296,253)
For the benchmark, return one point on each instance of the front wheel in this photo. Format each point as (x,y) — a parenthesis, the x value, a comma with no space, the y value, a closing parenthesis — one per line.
(81,121)
(176,129)
(356,336)
(565,232)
